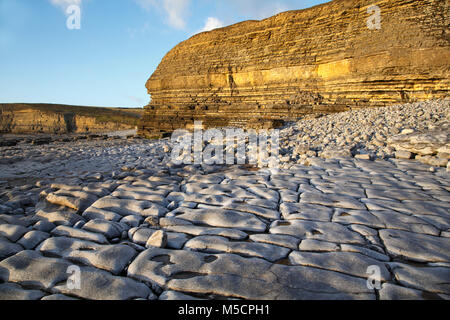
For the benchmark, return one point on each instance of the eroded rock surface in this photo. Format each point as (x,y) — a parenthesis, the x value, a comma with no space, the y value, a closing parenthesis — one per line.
(139,227)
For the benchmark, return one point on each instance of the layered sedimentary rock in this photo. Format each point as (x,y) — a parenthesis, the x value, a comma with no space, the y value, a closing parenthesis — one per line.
(37,119)
(328,58)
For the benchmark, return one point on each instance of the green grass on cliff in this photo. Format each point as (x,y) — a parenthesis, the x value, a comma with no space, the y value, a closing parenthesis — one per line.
(101,114)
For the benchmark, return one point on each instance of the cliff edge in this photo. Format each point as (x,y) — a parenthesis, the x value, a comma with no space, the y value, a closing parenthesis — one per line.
(322,59)
(18,118)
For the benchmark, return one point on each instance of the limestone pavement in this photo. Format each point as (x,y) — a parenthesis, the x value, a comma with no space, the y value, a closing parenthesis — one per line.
(139,227)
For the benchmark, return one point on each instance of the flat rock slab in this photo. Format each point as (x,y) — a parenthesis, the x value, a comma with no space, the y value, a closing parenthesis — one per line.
(126,192)
(223,219)
(265,193)
(109,229)
(430,279)
(207,231)
(100,285)
(238,277)
(31,269)
(306,211)
(324,231)
(263,203)
(93,213)
(259,211)
(12,232)
(11,291)
(416,247)
(393,292)
(63,231)
(59,217)
(426,208)
(176,240)
(112,258)
(354,264)
(122,207)
(215,200)
(31,239)
(397,194)
(384,219)
(373,252)
(318,246)
(331,200)
(220,244)
(16,219)
(8,249)
(395,220)
(361,217)
(276,239)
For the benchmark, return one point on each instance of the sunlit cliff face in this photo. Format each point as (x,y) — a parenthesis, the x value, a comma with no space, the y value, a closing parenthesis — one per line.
(270,69)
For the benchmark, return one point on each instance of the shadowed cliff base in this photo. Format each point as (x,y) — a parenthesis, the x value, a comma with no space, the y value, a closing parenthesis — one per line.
(60,119)
(328,58)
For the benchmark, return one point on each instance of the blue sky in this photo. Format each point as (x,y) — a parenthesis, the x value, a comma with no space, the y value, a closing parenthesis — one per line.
(120,43)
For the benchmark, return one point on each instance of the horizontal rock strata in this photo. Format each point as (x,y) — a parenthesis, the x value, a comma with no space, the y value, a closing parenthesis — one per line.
(61,119)
(322,59)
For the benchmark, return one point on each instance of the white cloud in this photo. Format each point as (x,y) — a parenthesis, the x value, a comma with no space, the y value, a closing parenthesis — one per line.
(272,9)
(64,4)
(211,23)
(146,4)
(176,10)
